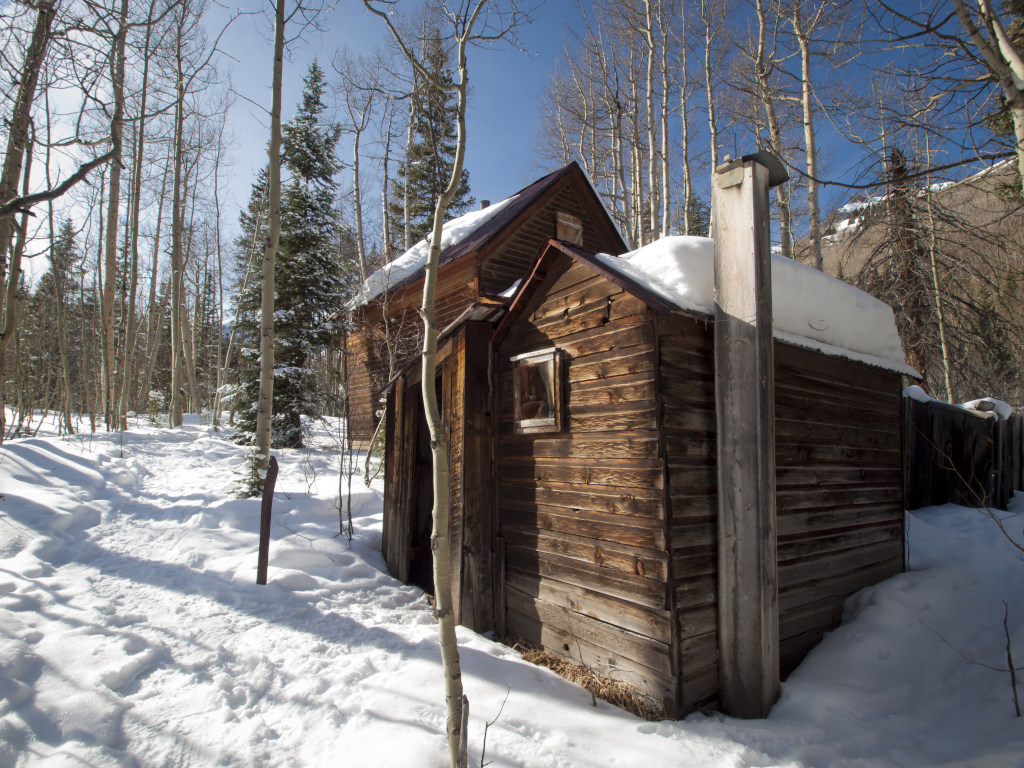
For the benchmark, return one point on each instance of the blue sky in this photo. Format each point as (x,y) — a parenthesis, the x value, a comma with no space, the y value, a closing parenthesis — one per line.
(505,85)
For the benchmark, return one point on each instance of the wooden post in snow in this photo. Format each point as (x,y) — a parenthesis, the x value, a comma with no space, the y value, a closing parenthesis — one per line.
(748,609)
(263,558)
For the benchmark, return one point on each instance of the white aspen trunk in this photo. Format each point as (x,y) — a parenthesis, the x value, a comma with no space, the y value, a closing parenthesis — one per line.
(188,356)
(358,205)
(154,318)
(265,405)
(410,135)
(1003,62)
(177,225)
(221,368)
(709,38)
(60,294)
(440,533)
(59,288)
(17,140)
(774,129)
(385,199)
(666,187)
(813,212)
(130,341)
(933,265)
(652,184)
(620,162)
(10,300)
(108,358)
(1018,129)
(158,309)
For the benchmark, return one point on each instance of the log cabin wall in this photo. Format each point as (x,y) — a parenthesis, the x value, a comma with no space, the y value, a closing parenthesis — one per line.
(373,344)
(838,478)
(485,264)
(361,359)
(839,489)
(581,547)
(687,368)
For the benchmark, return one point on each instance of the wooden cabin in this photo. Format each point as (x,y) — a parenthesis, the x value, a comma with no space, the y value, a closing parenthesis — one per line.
(581,427)
(483,254)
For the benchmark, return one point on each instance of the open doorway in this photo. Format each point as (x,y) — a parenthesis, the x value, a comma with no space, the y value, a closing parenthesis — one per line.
(421,562)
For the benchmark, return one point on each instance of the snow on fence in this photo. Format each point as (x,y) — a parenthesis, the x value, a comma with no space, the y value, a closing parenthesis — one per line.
(972,456)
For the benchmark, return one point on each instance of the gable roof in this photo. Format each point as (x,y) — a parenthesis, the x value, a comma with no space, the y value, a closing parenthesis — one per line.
(470,233)
(810,309)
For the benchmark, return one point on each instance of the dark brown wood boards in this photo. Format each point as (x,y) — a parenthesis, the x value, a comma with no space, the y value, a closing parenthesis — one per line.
(598,541)
(608,528)
(840,514)
(463,397)
(581,511)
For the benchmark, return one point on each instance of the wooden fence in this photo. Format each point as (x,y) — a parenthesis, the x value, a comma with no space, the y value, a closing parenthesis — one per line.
(955,455)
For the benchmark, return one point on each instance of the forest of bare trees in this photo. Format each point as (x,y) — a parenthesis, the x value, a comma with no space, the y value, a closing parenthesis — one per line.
(143,293)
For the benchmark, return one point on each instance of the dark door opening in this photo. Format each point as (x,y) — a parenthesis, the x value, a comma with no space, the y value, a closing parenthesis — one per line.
(421,561)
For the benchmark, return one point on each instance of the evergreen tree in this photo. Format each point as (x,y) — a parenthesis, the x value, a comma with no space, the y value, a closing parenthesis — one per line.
(310,285)
(428,166)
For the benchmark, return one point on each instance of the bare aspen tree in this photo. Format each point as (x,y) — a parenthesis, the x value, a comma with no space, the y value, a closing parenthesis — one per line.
(803,30)
(712,13)
(222,364)
(117,71)
(764,66)
(10,175)
(359,89)
(463,18)
(647,30)
(130,342)
(265,403)
(940,314)
(60,290)
(1003,61)
(177,219)
(388,115)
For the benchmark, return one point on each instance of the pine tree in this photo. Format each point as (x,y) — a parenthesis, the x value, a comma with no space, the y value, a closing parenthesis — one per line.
(428,166)
(310,285)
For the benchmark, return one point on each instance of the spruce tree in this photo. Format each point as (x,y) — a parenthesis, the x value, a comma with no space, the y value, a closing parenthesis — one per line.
(428,166)
(309,281)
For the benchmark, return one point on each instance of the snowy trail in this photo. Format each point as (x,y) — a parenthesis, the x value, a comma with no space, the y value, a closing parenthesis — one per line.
(154,634)
(132,634)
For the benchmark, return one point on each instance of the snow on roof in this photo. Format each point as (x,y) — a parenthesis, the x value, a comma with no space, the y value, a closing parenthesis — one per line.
(414,260)
(811,309)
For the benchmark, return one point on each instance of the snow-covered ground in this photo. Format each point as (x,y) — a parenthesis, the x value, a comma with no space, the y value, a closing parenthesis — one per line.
(132,634)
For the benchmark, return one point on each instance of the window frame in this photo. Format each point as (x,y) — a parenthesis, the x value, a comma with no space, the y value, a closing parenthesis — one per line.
(553,422)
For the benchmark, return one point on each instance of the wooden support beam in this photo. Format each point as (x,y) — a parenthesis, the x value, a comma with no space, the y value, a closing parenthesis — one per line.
(748,611)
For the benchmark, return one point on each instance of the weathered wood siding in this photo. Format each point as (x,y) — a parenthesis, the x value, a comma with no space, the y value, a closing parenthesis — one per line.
(581,511)
(373,344)
(463,395)
(688,397)
(364,370)
(839,486)
(515,256)
(838,477)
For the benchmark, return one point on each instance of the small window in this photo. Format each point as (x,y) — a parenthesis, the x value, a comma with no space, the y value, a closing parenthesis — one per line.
(537,384)
(569,228)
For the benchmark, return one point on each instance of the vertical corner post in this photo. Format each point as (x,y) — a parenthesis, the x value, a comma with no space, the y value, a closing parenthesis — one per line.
(748,608)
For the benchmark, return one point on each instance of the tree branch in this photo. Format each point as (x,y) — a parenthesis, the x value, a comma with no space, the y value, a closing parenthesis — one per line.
(23,203)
